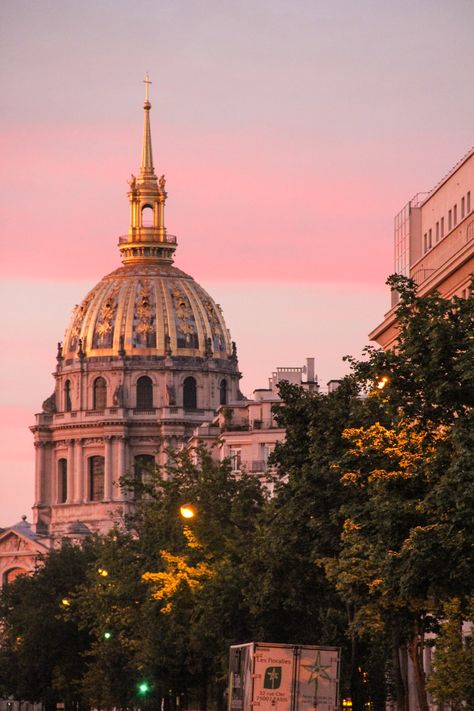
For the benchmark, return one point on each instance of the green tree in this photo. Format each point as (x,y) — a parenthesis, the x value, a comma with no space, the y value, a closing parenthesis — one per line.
(452,680)
(410,480)
(41,645)
(186,621)
(387,481)
(304,528)
(109,607)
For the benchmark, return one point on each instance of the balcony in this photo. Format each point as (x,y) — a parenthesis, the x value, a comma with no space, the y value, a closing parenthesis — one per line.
(254,466)
(249,426)
(166,239)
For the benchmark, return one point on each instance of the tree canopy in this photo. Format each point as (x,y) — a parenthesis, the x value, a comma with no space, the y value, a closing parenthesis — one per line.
(366,544)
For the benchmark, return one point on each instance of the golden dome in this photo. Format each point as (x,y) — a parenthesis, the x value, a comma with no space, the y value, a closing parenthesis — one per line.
(146,309)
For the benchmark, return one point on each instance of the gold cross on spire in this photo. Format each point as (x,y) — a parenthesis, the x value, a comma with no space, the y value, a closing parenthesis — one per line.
(147,82)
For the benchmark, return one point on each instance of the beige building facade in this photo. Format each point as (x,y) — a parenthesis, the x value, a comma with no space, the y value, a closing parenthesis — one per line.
(434,242)
(246,431)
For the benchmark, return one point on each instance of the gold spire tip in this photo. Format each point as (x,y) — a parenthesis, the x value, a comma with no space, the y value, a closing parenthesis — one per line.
(147,82)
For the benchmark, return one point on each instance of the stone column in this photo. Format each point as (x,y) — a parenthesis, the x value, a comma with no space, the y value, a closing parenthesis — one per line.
(117,494)
(108,469)
(70,471)
(79,474)
(39,473)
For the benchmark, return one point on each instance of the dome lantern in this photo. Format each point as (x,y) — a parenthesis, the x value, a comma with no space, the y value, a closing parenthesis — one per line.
(147,239)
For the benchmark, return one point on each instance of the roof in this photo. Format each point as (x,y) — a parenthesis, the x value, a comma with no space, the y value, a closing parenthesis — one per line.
(448,175)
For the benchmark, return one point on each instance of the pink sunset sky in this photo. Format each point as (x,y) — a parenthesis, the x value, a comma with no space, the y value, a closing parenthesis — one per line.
(290,134)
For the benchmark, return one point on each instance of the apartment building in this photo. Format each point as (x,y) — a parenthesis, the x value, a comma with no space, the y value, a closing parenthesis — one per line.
(434,242)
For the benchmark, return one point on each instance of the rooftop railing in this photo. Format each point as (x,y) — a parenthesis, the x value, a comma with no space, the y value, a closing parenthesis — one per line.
(166,239)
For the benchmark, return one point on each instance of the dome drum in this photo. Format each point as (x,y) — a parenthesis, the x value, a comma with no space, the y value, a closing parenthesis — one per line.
(101,390)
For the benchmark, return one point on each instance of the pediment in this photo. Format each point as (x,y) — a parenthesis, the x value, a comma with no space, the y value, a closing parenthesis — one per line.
(12,542)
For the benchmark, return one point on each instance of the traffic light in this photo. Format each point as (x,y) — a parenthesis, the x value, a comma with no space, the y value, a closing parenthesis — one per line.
(107,634)
(143,688)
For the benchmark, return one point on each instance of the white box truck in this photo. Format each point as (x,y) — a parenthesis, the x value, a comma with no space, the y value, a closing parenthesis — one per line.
(283,677)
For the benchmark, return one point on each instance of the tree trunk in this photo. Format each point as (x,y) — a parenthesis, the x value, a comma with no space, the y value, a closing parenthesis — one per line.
(357,696)
(415,650)
(203,688)
(398,676)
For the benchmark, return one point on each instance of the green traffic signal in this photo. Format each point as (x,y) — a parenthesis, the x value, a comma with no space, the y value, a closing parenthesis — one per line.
(107,635)
(143,688)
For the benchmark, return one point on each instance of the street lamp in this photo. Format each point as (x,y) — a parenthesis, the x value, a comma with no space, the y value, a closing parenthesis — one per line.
(383,382)
(187,511)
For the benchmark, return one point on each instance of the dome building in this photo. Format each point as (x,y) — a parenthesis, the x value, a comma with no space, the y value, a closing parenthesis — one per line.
(146,359)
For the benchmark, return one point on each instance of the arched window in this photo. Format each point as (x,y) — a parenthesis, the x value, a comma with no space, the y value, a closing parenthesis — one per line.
(100,394)
(62,481)
(10,575)
(147,216)
(67,396)
(189,394)
(144,393)
(223,392)
(96,478)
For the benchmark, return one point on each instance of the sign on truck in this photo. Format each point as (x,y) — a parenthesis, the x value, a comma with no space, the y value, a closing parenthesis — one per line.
(283,677)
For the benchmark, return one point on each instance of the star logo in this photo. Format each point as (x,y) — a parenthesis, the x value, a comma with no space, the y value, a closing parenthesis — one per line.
(317,670)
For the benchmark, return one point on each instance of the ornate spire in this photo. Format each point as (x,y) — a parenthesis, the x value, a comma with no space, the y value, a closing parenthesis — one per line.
(147,239)
(146,168)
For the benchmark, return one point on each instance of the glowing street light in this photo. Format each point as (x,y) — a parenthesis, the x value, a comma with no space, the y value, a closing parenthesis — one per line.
(103,572)
(383,382)
(65,602)
(187,511)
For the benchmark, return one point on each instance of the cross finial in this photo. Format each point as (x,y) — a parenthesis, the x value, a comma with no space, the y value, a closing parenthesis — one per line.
(147,82)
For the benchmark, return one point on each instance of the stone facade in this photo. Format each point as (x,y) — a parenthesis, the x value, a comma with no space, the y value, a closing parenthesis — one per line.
(20,549)
(246,431)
